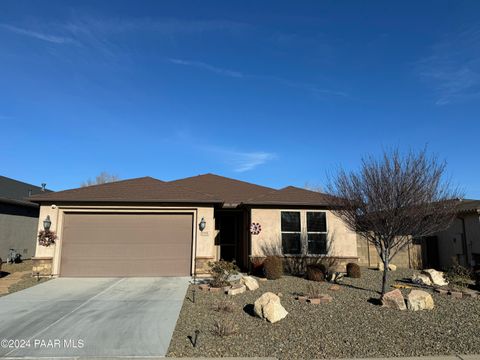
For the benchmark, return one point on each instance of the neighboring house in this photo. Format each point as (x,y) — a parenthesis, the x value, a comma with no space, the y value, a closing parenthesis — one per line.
(460,243)
(18,217)
(147,227)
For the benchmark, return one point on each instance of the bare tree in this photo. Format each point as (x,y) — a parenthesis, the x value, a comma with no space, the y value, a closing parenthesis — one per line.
(393,199)
(101,178)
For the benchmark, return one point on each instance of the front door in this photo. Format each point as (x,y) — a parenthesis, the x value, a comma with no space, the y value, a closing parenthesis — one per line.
(230,235)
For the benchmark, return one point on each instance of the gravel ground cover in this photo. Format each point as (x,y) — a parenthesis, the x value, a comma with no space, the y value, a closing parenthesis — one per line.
(351,326)
(25,265)
(27,280)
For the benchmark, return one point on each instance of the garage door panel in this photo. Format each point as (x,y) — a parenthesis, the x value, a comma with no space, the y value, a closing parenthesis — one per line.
(126,244)
(139,251)
(117,268)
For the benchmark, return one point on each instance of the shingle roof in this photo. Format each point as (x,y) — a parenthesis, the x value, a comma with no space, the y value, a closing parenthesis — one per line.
(468,205)
(208,188)
(231,191)
(292,195)
(16,192)
(144,189)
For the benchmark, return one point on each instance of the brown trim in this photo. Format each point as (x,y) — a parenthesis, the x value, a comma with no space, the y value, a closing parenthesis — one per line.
(282,206)
(170,202)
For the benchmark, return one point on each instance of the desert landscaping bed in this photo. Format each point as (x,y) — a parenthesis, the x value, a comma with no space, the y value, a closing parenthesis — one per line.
(22,272)
(352,325)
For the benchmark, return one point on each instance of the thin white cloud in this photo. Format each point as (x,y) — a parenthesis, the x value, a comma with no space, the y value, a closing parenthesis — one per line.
(38,35)
(453,67)
(240,161)
(245,161)
(238,74)
(208,67)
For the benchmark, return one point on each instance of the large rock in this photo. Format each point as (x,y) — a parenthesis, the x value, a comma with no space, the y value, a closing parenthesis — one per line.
(421,279)
(268,307)
(236,289)
(249,282)
(394,299)
(419,300)
(436,277)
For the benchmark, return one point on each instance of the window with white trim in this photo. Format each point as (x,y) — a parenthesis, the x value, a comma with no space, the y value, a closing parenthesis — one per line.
(291,233)
(316,233)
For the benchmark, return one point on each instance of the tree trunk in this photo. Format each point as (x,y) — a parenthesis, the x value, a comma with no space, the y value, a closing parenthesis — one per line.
(385,276)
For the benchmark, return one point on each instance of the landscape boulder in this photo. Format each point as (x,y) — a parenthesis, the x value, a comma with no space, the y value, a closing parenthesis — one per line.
(250,283)
(394,300)
(335,277)
(236,289)
(268,307)
(421,279)
(391,267)
(419,300)
(436,277)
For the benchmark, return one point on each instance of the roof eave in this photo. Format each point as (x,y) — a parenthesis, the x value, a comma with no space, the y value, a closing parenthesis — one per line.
(287,203)
(186,201)
(18,202)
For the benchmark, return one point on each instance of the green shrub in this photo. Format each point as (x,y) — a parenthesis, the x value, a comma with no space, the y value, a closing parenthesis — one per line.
(273,266)
(316,272)
(221,271)
(353,270)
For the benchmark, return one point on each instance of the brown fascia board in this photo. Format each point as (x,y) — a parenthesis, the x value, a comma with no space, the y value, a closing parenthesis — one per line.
(285,203)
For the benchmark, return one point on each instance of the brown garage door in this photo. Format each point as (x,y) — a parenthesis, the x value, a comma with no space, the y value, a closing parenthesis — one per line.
(121,244)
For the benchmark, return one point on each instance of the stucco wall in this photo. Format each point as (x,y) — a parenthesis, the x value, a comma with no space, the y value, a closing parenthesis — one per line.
(472,227)
(203,241)
(408,257)
(343,241)
(18,227)
(450,247)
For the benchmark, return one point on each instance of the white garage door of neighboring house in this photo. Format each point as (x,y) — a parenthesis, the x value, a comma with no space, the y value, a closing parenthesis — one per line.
(126,245)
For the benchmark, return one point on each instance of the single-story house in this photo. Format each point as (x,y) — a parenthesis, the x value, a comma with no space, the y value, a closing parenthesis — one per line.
(148,227)
(460,243)
(18,217)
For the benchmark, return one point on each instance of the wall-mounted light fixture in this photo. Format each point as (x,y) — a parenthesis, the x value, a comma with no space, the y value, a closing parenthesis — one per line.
(47,223)
(202,224)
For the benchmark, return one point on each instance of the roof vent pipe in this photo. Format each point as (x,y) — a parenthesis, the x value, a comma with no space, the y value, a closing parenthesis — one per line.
(43,186)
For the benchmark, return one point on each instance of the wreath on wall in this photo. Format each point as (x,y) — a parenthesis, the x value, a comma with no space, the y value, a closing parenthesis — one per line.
(46,237)
(255,228)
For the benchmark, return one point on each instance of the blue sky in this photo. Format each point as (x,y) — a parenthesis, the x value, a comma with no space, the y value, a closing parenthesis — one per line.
(275,93)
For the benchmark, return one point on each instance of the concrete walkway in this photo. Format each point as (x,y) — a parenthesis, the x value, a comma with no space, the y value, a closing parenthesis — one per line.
(94,317)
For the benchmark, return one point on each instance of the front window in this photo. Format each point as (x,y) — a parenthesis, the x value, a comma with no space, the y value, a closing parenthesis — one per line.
(291,233)
(317,233)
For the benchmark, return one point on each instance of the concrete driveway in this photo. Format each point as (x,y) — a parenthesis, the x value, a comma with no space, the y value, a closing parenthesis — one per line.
(69,317)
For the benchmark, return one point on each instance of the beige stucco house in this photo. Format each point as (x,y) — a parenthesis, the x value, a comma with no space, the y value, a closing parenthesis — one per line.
(148,227)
